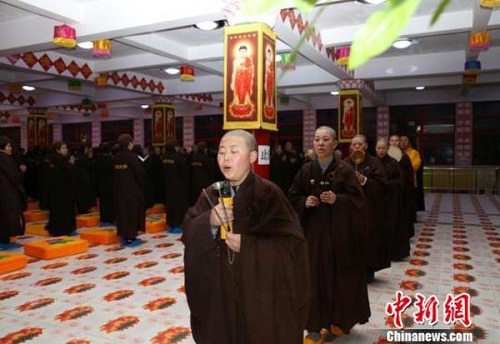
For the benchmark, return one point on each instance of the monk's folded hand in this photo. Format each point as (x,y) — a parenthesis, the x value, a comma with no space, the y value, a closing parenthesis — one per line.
(233,241)
(225,215)
(312,201)
(328,197)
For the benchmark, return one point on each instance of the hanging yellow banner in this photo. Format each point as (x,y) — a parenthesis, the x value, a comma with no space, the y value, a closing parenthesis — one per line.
(162,124)
(349,114)
(250,77)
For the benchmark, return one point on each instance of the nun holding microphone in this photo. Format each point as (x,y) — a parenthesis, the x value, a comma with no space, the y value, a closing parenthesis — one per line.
(246,261)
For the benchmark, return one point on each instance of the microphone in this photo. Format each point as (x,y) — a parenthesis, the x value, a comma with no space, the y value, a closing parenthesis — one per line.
(225,197)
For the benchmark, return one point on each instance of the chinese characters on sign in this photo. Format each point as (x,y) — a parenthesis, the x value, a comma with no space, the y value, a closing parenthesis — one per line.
(455,308)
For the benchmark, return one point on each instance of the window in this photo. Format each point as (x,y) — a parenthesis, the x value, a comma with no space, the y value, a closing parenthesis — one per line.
(290,128)
(486,141)
(208,129)
(110,130)
(327,117)
(179,130)
(431,129)
(75,133)
(147,132)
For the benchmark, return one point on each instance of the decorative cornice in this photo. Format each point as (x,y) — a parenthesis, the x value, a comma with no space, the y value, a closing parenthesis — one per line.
(17,98)
(58,64)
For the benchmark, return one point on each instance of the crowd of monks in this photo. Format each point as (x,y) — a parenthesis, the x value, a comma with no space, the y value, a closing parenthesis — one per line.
(299,252)
(121,177)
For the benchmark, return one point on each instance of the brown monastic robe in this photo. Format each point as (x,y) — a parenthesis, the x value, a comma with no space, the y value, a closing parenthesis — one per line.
(12,199)
(409,192)
(263,296)
(379,255)
(61,195)
(394,216)
(337,243)
(129,195)
(176,182)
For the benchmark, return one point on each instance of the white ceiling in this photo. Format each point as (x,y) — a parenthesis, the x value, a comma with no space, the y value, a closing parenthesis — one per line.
(149,35)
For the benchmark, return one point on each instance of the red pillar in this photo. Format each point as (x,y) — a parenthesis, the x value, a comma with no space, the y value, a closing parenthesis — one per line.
(263,138)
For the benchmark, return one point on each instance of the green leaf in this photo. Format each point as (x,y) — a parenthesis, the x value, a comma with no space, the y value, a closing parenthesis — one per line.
(305,6)
(255,7)
(442,6)
(380,31)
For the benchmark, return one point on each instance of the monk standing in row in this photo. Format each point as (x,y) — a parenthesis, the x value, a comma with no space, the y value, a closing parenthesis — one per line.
(252,287)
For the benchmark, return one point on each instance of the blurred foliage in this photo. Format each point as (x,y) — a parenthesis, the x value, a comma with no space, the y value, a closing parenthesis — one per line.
(377,34)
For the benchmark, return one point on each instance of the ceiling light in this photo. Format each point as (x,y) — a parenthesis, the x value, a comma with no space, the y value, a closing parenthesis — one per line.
(402,43)
(172,70)
(372,2)
(28,88)
(420,88)
(334,93)
(144,106)
(86,45)
(209,25)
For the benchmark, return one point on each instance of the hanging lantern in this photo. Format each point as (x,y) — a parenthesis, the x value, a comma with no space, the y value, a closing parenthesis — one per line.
(102,48)
(86,103)
(284,100)
(472,67)
(490,3)
(479,41)
(64,36)
(469,79)
(104,112)
(342,55)
(101,81)
(288,61)
(187,73)
(74,85)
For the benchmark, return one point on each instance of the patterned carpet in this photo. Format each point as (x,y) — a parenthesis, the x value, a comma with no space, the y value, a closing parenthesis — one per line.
(112,294)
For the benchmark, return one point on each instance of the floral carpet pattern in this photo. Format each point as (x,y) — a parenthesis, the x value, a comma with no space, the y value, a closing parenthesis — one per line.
(113,294)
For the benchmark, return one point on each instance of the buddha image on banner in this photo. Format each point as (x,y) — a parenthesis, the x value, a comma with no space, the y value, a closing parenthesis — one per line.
(242,71)
(158,126)
(31,131)
(269,90)
(42,131)
(349,114)
(170,124)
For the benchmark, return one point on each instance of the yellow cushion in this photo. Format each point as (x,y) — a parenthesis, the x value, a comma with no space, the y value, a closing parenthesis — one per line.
(158,208)
(32,206)
(10,261)
(56,247)
(155,225)
(36,215)
(37,228)
(101,235)
(87,220)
